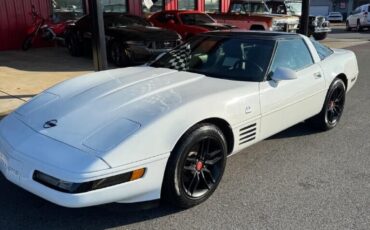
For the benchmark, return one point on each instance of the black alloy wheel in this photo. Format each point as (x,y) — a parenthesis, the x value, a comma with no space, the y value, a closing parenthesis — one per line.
(202,167)
(195,167)
(335,104)
(333,107)
(118,54)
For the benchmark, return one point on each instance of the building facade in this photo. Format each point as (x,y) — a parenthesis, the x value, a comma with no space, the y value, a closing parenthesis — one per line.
(15,15)
(323,7)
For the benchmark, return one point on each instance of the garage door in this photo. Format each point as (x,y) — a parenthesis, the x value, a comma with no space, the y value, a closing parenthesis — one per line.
(319,10)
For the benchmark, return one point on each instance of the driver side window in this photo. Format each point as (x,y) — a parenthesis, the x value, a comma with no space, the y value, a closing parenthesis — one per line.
(292,54)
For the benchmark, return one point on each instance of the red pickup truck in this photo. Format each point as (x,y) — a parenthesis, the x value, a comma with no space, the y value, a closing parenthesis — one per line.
(255,15)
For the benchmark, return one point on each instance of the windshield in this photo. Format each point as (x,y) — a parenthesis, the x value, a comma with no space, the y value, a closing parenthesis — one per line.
(335,14)
(249,7)
(124,20)
(221,57)
(195,19)
(294,8)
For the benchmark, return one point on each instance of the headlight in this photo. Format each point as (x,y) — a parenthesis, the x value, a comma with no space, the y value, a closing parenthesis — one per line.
(277,25)
(70,187)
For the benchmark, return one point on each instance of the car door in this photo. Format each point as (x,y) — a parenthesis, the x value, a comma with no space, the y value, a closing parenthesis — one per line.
(289,102)
(351,18)
(356,16)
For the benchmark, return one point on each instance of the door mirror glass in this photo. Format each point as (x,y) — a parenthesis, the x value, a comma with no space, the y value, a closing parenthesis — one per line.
(282,74)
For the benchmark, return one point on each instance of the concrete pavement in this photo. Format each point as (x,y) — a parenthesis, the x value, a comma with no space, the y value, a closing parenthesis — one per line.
(25,74)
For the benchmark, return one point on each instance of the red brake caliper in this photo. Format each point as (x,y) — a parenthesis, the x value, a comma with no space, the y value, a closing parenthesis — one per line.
(199,165)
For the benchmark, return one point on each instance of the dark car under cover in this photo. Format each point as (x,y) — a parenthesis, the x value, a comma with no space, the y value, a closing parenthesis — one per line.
(130,39)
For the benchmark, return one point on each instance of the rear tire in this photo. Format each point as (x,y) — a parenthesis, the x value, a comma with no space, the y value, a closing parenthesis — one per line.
(27,42)
(74,46)
(333,107)
(195,167)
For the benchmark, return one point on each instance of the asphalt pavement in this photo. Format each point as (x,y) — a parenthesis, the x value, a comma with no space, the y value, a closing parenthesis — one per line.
(297,179)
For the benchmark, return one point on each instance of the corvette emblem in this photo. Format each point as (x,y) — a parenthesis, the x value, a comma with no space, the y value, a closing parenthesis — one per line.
(50,124)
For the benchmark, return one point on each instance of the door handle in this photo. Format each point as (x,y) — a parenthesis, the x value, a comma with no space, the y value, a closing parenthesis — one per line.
(317,75)
(248,109)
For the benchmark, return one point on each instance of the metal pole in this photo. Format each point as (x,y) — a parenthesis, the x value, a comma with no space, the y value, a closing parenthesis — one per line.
(305,17)
(98,36)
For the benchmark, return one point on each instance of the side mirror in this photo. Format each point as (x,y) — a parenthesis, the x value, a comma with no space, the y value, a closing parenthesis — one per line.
(282,74)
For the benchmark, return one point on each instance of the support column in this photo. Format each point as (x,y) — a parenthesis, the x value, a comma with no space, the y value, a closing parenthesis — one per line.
(98,36)
(305,17)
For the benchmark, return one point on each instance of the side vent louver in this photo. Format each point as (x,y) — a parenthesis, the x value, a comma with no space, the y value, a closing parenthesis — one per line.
(247,134)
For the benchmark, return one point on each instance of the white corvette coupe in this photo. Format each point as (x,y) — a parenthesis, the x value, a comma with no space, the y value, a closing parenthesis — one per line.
(165,130)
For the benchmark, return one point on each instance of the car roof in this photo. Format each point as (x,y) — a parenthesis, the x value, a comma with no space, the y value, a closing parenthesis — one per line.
(267,35)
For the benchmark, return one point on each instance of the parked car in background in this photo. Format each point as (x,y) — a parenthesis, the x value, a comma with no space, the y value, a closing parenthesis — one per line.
(131,40)
(165,130)
(318,26)
(335,17)
(186,23)
(359,18)
(255,15)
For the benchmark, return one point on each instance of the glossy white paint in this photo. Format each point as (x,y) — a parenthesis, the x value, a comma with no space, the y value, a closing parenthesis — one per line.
(116,121)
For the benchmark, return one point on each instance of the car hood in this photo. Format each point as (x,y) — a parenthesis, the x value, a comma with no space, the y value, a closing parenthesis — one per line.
(143,33)
(98,111)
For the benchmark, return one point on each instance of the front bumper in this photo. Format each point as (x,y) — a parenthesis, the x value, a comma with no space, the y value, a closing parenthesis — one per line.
(19,168)
(322,30)
(284,27)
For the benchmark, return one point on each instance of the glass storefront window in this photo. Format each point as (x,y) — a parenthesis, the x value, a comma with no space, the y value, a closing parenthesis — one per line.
(118,6)
(152,6)
(212,6)
(186,4)
(67,10)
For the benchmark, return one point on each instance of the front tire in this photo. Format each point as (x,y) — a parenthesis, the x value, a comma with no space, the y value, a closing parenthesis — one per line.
(27,42)
(348,28)
(359,27)
(118,54)
(333,107)
(320,36)
(195,167)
